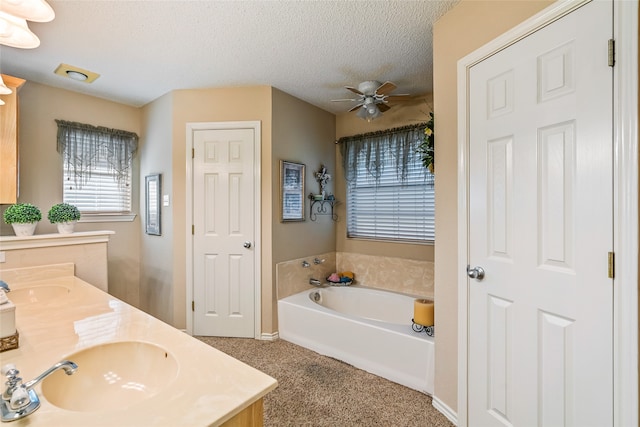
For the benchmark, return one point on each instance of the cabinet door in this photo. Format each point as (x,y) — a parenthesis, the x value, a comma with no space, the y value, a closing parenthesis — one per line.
(9,141)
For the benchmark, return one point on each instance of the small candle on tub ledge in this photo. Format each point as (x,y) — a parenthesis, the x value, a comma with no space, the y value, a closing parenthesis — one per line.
(423,312)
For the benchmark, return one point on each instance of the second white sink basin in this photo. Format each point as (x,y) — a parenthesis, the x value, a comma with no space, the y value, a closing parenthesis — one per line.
(111,376)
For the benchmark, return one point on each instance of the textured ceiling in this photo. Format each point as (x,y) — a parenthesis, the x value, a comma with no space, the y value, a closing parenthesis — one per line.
(310,49)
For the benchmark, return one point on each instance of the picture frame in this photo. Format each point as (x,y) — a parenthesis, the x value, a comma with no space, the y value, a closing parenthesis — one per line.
(291,191)
(152,203)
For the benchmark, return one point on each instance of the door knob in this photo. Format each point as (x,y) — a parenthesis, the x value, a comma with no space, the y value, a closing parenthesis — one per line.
(247,244)
(475,273)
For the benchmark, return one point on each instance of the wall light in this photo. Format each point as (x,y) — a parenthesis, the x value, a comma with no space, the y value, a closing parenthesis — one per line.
(14,14)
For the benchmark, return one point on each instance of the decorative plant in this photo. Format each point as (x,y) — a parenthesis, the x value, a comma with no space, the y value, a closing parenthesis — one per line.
(426,147)
(22,213)
(63,212)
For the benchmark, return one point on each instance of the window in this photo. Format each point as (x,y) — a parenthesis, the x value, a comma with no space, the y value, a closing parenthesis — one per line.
(390,194)
(97,164)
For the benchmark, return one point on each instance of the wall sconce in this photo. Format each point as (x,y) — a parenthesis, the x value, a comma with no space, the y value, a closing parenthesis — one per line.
(14,14)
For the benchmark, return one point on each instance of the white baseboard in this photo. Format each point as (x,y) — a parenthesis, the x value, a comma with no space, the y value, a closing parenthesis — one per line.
(445,410)
(269,337)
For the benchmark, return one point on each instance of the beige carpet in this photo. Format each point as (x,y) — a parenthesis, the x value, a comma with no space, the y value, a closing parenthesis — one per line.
(315,390)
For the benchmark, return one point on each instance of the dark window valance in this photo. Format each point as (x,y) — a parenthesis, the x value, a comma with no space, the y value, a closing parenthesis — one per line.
(387,148)
(82,146)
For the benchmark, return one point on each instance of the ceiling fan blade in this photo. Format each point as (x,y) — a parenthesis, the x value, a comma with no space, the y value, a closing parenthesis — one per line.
(346,99)
(398,97)
(354,90)
(386,88)
(356,107)
(383,107)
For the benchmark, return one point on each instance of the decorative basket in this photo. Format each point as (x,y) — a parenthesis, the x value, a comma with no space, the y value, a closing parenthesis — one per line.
(9,343)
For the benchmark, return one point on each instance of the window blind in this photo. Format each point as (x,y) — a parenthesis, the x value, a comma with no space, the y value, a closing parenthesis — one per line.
(388,209)
(101,193)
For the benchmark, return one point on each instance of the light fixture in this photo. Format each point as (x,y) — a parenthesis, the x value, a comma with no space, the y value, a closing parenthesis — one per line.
(369,110)
(75,73)
(4,90)
(14,15)
(14,32)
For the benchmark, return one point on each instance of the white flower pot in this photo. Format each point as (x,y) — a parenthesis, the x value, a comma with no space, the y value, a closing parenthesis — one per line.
(66,227)
(25,229)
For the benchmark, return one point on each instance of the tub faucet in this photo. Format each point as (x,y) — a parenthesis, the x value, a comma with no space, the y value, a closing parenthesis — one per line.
(20,400)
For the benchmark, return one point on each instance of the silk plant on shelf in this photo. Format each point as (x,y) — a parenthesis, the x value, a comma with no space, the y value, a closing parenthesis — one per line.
(426,147)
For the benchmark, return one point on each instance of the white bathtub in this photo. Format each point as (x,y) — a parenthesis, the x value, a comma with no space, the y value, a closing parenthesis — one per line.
(365,327)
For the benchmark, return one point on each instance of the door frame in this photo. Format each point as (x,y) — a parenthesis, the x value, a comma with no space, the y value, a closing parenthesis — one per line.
(625,209)
(191,128)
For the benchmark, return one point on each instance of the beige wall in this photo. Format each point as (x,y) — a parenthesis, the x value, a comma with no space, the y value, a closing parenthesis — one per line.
(304,134)
(401,114)
(466,27)
(156,252)
(41,170)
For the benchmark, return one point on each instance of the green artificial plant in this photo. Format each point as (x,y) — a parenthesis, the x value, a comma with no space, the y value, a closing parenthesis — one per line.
(22,213)
(63,212)
(426,148)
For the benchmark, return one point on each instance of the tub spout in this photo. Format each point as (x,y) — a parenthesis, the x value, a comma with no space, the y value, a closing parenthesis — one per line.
(315,282)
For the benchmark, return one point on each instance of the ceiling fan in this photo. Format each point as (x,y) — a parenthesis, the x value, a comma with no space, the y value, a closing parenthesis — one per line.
(373,98)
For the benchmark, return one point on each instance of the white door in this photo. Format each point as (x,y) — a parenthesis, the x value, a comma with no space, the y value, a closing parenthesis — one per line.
(224,232)
(540,209)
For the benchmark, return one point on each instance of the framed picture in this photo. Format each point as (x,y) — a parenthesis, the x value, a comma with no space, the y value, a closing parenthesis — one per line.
(291,191)
(152,201)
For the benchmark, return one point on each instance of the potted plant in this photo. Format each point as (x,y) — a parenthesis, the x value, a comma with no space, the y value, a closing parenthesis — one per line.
(23,217)
(64,216)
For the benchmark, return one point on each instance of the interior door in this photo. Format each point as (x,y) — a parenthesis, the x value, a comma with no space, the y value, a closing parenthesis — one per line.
(540,228)
(224,232)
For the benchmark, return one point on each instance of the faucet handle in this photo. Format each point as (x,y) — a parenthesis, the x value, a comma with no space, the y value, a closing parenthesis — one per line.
(8,367)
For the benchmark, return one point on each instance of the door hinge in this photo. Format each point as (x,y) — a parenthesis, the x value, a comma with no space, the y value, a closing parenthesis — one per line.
(612,52)
(612,265)
(193,229)
(193,153)
(193,306)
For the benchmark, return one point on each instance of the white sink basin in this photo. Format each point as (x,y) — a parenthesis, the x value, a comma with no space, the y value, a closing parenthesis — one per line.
(111,376)
(37,294)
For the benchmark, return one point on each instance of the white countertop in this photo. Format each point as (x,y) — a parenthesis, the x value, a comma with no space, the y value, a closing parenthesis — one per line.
(210,387)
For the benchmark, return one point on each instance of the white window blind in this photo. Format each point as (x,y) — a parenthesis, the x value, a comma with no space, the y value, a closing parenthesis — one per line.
(97,167)
(101,193)
(391,210)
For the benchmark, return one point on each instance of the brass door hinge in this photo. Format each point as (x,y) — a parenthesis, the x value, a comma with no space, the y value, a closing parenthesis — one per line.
(193,153)
(193,306)
(193,229)
(612,265)
(612,52)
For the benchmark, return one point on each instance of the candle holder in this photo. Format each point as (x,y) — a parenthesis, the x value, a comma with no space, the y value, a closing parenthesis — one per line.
(430,330)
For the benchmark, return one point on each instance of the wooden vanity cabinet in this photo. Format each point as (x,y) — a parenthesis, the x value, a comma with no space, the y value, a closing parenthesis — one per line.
(9,141)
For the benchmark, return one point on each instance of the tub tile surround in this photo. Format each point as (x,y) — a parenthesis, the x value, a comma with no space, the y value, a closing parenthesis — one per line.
(292,278)
(211,387)
(393,274)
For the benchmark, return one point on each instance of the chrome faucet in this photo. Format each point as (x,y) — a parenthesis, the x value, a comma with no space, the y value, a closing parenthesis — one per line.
(20,400)
(315,282)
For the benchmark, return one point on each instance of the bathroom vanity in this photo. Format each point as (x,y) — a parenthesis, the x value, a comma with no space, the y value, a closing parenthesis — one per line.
(133,369)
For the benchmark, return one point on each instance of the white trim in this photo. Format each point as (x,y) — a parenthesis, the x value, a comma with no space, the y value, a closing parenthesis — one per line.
(274,336)
(190,128)
(87,217)
(9,243)
(444,410)
(625,337)
(625,204)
